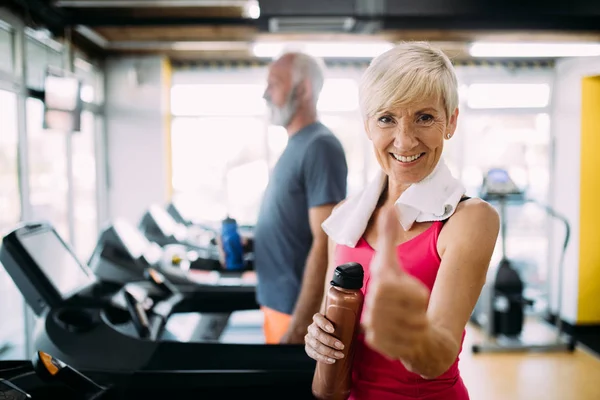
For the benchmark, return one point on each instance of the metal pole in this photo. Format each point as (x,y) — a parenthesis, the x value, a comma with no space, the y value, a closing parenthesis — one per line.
(69,66)
(20,63)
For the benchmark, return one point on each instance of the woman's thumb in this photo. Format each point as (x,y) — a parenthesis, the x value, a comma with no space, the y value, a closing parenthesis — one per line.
(387,232)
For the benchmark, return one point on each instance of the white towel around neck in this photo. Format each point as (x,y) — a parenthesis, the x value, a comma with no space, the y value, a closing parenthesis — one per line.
(433,199)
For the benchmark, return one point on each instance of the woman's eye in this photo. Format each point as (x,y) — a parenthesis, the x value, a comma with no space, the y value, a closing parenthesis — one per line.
(425,118)
(385,119)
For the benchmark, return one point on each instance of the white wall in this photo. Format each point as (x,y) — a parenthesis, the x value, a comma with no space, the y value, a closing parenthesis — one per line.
(135,123)
(566,131)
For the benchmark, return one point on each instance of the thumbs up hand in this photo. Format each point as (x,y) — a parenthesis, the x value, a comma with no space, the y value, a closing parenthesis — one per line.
(395,319)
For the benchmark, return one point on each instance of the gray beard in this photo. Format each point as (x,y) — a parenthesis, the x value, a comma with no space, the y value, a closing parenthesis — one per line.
(282,116)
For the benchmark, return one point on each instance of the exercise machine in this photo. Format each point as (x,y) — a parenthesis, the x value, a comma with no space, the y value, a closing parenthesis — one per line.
(46,377)
(501,308)
(199,243)
(199,246)
(123,255)
(116,337)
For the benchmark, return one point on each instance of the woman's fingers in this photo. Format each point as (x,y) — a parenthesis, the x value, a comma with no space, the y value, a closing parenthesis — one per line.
(325,327)
(319,344)
(323,343)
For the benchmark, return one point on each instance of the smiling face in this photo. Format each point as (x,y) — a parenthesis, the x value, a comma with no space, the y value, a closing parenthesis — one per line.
(409,102)
(408,140)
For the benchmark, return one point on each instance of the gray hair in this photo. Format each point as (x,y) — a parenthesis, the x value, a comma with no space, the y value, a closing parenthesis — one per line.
(408,73)
(308,67)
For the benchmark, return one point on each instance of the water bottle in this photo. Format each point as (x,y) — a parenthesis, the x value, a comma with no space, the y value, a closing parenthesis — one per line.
(232,245)
(343,309)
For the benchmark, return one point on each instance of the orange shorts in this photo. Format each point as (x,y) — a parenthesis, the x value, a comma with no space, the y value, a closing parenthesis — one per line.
(275,324)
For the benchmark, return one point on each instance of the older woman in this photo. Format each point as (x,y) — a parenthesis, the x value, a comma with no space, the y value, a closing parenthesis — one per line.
(424,247)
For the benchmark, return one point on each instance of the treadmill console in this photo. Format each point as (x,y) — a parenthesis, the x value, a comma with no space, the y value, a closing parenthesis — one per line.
(121,244)
(161,228)
(498,184)
(53,272)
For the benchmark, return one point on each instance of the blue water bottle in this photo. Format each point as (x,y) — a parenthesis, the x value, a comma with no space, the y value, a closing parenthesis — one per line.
(232,245)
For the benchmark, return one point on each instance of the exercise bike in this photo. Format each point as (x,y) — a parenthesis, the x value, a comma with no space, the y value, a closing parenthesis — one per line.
(501,308)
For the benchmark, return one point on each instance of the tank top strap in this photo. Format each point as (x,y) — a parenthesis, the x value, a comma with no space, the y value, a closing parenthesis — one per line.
(460,201)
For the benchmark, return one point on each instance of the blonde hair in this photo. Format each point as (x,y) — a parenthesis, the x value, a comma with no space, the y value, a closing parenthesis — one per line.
(408,73)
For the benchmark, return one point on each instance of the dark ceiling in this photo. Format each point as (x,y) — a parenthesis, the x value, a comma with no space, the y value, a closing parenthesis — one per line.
(175,27)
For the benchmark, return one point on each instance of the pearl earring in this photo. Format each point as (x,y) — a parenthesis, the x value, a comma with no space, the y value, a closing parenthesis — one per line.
(448,136)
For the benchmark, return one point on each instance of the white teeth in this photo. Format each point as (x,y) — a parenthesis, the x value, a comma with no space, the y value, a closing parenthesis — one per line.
(406,159)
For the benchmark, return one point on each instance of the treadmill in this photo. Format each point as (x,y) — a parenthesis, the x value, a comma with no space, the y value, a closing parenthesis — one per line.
(123,255)
(175,212)
(198,244)
(117,337)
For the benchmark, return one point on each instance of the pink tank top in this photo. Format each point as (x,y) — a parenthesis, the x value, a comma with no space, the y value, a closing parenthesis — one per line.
(375,377)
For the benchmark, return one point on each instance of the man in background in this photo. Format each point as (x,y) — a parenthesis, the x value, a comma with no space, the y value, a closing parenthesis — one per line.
(309,179)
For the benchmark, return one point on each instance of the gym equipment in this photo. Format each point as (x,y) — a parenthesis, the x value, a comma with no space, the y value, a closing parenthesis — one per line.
(500,310)
(116,337)
(247,231)
(123,255)
(199,246)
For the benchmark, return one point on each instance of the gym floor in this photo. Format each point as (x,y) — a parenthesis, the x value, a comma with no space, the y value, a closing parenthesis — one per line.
(530,376)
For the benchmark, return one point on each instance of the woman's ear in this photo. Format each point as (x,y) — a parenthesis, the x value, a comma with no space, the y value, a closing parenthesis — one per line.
(452,124)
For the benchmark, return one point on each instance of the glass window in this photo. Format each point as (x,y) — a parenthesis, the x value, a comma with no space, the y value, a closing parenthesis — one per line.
(47,170)
(12,344)
(508,95)
(91,79)
(206,152)
(39,57)
(349,130)
(6,49)
(218,99)
(338,95)
(10,200)
(84,187)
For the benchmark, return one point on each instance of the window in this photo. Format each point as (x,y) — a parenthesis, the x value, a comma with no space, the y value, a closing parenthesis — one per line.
(218,99)
(10,201)
(39,57)
(47,170)
(508,95)
(84,187)
(338,95)
(91,78)
(349,130)
(212,158)
(11,303)
(6,48)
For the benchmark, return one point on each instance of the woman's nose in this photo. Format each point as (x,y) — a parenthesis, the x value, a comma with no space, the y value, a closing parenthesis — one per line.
(404,138)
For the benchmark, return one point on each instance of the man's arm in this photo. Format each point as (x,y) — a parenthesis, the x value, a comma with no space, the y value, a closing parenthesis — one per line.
(313,281)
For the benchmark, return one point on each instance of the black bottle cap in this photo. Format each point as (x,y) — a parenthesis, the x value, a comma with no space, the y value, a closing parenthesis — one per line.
(348,276)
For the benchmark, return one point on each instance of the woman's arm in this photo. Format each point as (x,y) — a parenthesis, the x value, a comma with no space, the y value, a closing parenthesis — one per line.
(465,245)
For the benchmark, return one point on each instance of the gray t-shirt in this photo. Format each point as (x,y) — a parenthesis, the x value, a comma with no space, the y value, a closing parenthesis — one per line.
(311,171)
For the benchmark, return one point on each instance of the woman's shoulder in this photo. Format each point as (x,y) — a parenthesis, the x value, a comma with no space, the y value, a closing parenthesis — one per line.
(474,214)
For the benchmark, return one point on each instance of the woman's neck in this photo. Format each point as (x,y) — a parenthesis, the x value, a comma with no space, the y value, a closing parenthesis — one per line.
(391,193)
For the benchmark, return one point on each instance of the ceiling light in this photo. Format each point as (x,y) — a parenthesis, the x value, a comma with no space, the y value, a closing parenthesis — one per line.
(252,9)
(209,46)
(323,49)
(533,50)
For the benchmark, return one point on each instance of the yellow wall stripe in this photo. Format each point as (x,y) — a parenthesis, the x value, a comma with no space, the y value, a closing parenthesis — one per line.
(167,74)
(589,217)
